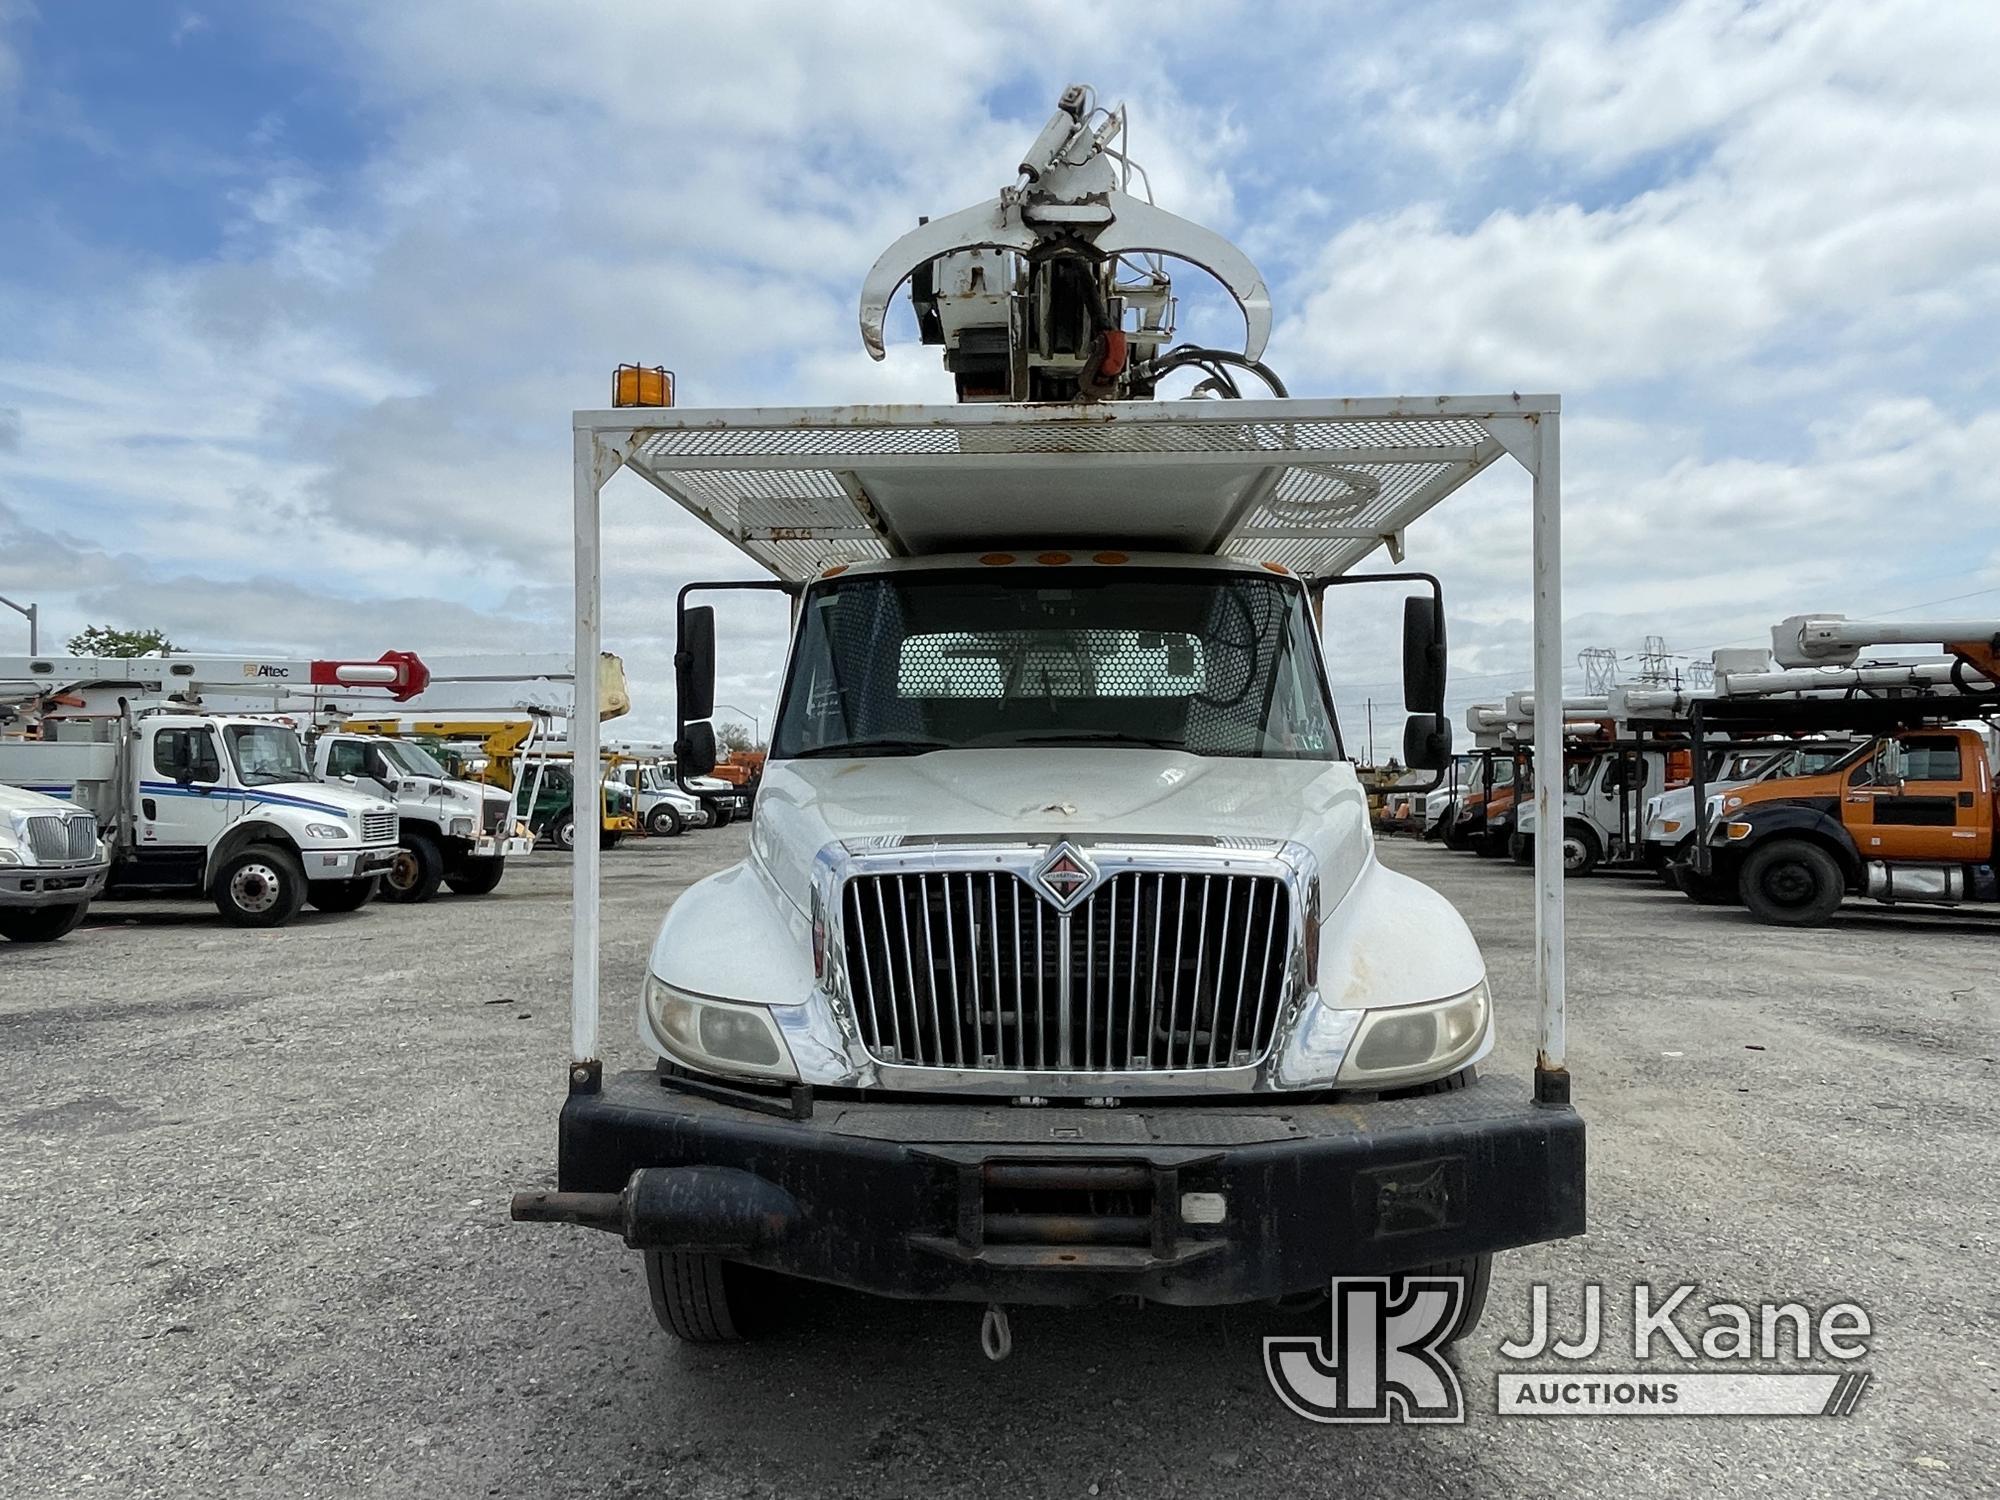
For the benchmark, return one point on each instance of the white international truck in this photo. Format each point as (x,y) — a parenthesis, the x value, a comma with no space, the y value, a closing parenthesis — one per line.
(664,809)
(52,863)
(223,806)
(451,832)
(1061,967)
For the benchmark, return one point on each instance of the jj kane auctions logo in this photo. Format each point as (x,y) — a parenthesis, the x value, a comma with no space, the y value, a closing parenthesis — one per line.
(1382,1359)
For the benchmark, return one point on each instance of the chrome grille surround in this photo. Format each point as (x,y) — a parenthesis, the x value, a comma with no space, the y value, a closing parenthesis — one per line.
(951,962)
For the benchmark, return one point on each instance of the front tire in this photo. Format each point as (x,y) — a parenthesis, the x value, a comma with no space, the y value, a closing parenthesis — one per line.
(704,1299)
(414,877)
(1476,1272)
(562,832)
(1792,883)
(40,924)
(664,823)
(261,886)
(341,895)
(476,877)
(1581,847)
(1520,848)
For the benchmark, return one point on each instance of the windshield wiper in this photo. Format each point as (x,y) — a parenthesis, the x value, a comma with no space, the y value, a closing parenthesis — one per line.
(884,746)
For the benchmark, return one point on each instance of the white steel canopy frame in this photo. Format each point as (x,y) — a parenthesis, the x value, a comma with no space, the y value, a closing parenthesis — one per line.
(1314,485)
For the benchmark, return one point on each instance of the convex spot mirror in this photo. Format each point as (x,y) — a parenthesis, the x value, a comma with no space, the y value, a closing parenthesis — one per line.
(1427,742)
(694,751)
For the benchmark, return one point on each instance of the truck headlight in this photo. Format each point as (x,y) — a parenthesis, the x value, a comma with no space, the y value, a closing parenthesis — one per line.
(461,828)
(1413,1043)
(9,854)
(718,1036)
(328,831)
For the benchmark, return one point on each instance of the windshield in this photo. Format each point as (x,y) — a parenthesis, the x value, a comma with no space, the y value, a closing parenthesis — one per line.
(1213,663)
(266,753)
(414,760)
(1576,775)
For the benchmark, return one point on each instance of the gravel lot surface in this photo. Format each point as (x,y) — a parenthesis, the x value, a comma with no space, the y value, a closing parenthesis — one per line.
(256,1243)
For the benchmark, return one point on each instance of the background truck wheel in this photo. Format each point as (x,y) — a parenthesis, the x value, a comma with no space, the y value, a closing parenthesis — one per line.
(562,831)
(1491,845)
(1581,849)
(40,924)
(1457,836)
(341,895)
(606,839)
(475,877)
(1791,883)
(415,875)
(663,822)
(1520,848)
(1716,888)
(261,886)
(718,817)
(704,1299)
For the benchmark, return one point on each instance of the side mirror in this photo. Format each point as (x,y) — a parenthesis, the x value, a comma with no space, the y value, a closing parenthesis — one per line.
(1426,740)
(694,664)
(1423,655)
(695,750)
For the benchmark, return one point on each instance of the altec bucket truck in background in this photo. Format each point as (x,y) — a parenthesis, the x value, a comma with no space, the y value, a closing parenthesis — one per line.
(199,803)
(1907,818)
(1061,967)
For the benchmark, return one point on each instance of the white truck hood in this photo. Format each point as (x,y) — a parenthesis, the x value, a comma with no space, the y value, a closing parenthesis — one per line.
(318,796)
(1095,792)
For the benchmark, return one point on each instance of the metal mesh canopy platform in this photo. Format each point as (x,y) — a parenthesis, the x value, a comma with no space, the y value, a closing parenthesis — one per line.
(1314,485)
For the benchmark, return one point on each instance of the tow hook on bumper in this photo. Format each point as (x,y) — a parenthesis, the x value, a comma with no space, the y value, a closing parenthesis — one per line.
(716,1210)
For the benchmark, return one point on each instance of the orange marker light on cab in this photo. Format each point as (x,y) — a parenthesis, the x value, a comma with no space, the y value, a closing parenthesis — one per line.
(1052,559)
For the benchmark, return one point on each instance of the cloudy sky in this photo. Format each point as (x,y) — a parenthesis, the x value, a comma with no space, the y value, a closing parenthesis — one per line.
(295,300)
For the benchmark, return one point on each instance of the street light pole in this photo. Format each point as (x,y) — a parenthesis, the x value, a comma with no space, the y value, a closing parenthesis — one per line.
(34,613)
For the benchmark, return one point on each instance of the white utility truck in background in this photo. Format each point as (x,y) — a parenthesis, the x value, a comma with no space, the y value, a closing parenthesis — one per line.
(51,864)
(195,803)
(1061,967)
(664,809)
(451,832)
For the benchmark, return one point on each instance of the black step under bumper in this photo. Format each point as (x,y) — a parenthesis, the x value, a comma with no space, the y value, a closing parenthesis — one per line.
(1191,1203)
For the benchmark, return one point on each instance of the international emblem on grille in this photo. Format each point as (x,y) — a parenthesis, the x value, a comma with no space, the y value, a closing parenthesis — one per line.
(1065,875)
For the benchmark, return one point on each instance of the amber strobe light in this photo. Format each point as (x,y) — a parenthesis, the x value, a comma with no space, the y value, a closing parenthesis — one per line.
(642,385)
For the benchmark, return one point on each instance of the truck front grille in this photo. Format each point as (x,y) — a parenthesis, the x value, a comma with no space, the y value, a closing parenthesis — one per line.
(495,810)
(378,828)
(978,972)
(62,838)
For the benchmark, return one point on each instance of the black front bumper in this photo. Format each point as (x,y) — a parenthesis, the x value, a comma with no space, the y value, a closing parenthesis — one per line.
(1191,1204)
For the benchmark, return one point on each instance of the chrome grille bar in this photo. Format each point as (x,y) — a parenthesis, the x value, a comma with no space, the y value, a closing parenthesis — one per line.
(1136,978)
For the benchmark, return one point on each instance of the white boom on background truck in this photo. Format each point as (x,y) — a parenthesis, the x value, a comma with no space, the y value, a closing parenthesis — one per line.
(1062,967)
(195,803)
